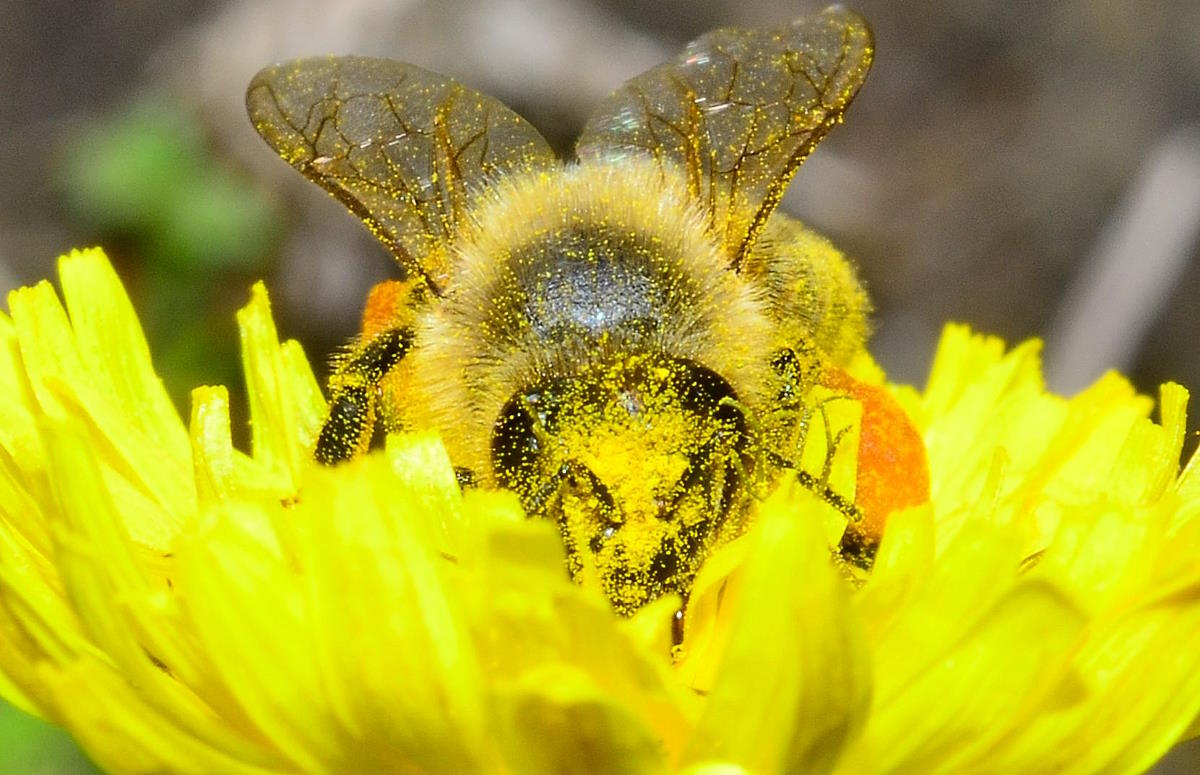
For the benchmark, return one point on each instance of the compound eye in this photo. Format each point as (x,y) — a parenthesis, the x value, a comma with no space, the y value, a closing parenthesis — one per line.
(715,469)
(521,434)
(515,445)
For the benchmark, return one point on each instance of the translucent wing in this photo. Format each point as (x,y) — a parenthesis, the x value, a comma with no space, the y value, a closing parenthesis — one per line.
(401,147)
(738,111)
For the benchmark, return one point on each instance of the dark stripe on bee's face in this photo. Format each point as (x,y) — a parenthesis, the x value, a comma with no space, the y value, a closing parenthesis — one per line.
(671,569)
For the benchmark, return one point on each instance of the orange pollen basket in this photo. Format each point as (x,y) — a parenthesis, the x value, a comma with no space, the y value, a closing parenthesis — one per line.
(384,306)
(893,472)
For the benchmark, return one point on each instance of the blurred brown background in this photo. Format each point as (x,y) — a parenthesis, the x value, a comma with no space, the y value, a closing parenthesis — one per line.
(1029,168)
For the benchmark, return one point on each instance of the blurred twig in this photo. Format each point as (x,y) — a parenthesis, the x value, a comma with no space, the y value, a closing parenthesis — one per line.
(1140,255)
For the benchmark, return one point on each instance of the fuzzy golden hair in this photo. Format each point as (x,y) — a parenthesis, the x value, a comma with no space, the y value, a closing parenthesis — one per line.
(464,359)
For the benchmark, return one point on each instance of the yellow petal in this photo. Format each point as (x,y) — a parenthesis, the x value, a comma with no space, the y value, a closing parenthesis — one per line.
(794,683)
(124,734)
(212,447)
(558,721)
(112,349)
(286,407)
(949,715)
(143,454)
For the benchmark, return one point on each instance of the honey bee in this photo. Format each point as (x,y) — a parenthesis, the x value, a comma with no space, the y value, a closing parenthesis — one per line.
(626,340)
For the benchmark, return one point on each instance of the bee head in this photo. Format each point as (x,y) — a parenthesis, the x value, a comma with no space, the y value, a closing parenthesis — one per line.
(638,459)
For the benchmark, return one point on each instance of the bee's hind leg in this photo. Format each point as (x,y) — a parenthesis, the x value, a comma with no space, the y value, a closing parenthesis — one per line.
(354,385)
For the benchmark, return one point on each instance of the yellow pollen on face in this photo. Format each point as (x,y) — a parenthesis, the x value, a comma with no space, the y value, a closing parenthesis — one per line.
(639,465)
(628,511)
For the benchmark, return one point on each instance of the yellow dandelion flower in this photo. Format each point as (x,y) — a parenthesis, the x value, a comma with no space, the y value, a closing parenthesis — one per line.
(182,606)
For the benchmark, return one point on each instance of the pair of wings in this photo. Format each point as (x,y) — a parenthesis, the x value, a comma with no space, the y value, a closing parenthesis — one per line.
(404,148)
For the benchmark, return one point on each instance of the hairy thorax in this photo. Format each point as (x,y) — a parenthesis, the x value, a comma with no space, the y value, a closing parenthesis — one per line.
(562,273)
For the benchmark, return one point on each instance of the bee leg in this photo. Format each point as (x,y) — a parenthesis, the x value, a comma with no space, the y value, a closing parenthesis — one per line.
(858,547)
(387,332)
(346,430)
(353,394)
